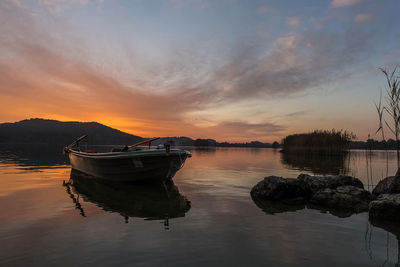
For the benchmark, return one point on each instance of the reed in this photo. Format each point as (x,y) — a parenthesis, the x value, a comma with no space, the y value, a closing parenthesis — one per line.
(318,142)
(391,109)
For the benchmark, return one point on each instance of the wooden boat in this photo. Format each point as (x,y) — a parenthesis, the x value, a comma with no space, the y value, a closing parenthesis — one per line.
(125,165)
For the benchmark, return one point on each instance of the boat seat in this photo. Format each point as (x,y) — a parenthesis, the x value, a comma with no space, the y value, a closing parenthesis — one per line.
(124,149)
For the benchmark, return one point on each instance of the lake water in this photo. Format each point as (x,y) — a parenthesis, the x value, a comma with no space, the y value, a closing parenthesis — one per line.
(205,218)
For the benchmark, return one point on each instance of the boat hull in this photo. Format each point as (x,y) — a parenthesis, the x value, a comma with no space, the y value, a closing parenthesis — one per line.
(130,166)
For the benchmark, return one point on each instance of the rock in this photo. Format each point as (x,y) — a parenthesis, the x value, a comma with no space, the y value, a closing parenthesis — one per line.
(386,207)
(389,185)
(340,195)
(346,197)
(313,184)
(278,188)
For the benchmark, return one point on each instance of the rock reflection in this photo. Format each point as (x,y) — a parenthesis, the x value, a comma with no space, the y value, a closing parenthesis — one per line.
(274,207)
(391,227)
(340,213)
(151,201)
(291,205)
(385,258)
(317,164)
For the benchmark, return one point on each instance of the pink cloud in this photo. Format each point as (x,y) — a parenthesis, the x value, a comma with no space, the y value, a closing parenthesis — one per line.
(262,10)
(60,5)
(362,18)
(342,3)
(293,21)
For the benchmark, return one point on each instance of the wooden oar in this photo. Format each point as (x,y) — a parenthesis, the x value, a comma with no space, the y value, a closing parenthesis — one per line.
(143,142)
(67,148)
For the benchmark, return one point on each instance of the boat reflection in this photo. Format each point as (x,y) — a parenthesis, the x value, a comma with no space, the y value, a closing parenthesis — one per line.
(317,164)
(151,201)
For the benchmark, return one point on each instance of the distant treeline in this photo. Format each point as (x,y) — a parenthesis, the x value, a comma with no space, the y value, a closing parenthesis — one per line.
(42,131)
(186,141)
(250,144)
(52,132)
(374,144)
(318,141)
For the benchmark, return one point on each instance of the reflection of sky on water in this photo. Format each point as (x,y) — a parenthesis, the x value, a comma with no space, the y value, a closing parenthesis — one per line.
(39,222)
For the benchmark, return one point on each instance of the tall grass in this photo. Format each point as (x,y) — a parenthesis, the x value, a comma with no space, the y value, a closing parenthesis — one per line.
(319,142)
(392,107)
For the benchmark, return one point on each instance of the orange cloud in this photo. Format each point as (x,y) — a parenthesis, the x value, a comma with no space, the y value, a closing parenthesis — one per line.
(46,84)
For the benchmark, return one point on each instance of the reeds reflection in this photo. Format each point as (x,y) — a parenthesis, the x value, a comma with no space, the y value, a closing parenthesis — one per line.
(151,201)
(389,227)
(316,163)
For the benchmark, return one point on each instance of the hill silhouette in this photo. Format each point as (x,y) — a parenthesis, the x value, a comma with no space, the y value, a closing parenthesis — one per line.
(63,133)
(53,132)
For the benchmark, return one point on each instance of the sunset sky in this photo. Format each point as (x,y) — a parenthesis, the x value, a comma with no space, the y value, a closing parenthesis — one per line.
(231,70)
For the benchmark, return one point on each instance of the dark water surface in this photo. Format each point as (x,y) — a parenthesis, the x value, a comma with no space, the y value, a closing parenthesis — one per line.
(206,217)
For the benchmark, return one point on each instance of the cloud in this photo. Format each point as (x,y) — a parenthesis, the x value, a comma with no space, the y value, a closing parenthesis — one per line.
(263,10)
(243,130)
(343,3)
(294,64)
(293,21)
(362,18)
(183,3)
(32,72)
(16,3)
(296,113)
(60,5)
(43,74)
(37,79)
